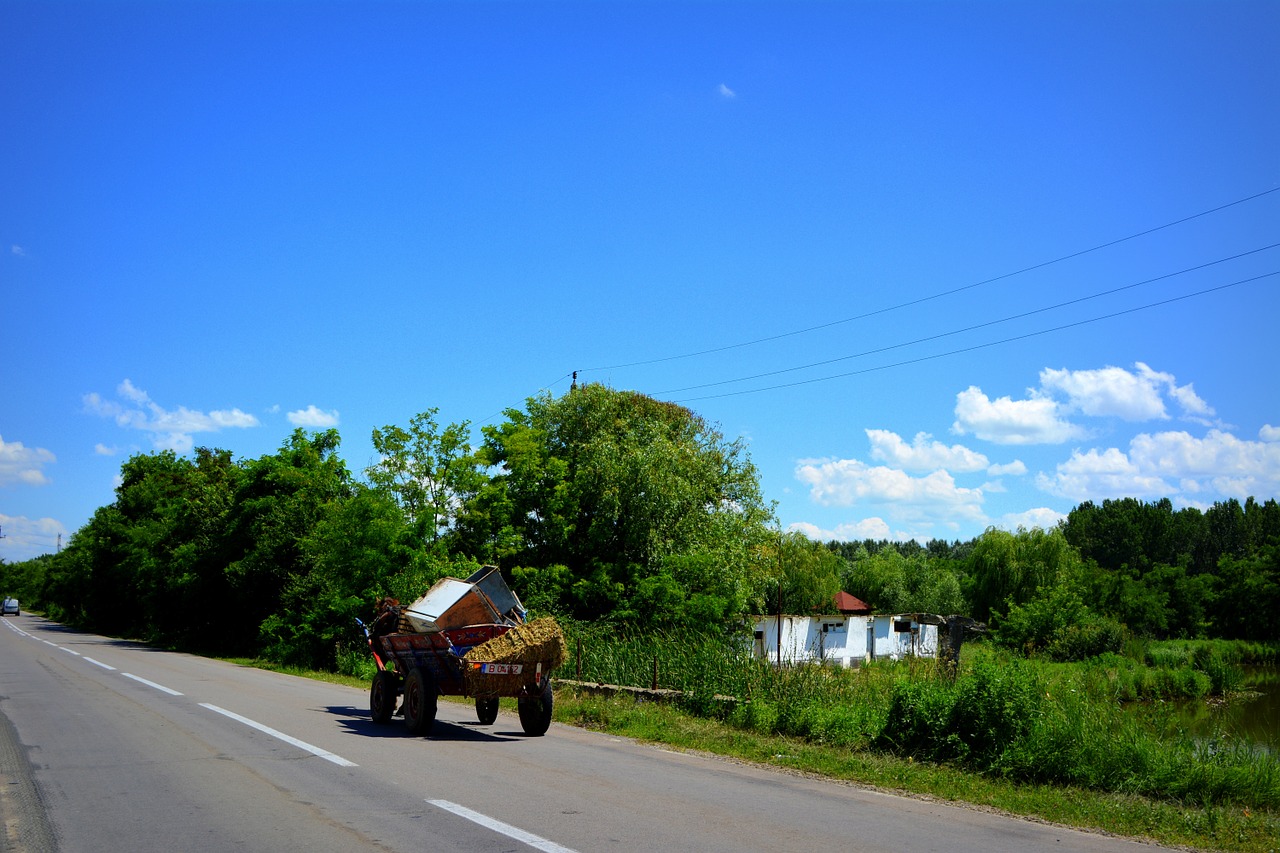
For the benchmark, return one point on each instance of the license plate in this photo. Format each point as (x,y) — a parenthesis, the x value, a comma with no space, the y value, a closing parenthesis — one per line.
(501,668)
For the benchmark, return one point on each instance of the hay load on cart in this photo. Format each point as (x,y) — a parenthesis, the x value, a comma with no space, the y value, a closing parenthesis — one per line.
(463,638)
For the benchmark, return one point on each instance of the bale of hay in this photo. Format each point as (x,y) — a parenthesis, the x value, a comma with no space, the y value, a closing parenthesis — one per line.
(539,640)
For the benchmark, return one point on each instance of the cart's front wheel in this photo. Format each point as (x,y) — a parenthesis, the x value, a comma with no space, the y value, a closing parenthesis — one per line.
(487,710)
(382,697)
(419,701)
(535,711)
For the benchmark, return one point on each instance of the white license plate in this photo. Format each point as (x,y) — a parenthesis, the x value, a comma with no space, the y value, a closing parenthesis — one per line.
(501,668)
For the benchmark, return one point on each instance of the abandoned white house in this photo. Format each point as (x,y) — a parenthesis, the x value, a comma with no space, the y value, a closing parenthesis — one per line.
(851,636)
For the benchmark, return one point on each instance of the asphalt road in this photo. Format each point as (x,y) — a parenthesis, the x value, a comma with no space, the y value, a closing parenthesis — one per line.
(111,746)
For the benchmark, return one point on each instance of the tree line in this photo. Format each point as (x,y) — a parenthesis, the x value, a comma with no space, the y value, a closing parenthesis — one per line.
(605,506)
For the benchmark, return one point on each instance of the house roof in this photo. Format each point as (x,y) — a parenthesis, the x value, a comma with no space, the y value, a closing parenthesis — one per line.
(851,606)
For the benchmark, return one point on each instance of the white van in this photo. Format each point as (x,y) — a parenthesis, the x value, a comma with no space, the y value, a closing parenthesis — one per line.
(10,607)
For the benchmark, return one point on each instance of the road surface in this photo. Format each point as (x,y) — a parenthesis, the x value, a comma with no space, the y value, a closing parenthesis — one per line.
(108,745)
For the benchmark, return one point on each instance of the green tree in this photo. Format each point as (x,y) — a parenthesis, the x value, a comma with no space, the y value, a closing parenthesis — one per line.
(428,470)
(280,500)
(1009,568)
(613,486)
(893,583)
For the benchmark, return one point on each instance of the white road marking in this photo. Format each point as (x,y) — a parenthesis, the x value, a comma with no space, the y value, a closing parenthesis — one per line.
(506,829)
(159,687)
(98,663)
(71,651)
(301,744)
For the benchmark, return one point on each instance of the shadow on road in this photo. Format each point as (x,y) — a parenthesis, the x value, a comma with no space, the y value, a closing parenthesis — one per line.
(358,722)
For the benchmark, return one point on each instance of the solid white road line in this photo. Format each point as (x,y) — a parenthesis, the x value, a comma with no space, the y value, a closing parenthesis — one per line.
(301,744)
(506,829)
(159,687)
(99,663)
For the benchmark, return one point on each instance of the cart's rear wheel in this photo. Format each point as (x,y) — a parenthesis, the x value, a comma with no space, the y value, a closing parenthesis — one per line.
(382,697)
(487,710)
(535,711)
(419,701)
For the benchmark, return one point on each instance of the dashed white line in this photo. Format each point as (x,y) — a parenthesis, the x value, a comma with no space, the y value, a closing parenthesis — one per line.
(534,841)
(159,687)
(71,651)
(99,663)
(301,744)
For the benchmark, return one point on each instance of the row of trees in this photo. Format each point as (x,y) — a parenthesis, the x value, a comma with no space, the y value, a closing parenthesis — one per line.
(598,505)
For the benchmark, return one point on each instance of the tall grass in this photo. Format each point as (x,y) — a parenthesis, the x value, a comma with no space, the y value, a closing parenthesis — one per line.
(1001,715)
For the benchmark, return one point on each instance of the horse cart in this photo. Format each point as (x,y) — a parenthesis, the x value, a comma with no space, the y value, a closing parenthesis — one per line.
(463,638)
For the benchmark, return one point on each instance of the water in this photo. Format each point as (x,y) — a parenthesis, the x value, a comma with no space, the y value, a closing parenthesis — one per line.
(1255,718)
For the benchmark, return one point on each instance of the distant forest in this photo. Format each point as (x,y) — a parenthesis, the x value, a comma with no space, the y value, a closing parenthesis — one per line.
(611,507)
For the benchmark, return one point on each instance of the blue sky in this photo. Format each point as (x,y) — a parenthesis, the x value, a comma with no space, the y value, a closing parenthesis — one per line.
(220,221)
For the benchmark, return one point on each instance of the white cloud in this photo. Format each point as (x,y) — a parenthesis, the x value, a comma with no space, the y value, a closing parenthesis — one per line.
(1096,475)
(21,464)
(25,538)
(725,91)
(1109,392)
(1137,395)
(1016,468)
(1269,433)
(1036,420)
(102,450)
(1044,417)
(313,417)
(17,251)
(169,429)
(1041,517)
(923,454)
(1219,462)
(868,528)
(845,482)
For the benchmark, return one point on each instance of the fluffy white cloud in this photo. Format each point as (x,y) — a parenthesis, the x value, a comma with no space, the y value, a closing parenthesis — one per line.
(845,482)
(1219,463)
(169,429)
(313,417)
(868,528)
(1016,468)
(21,464)
(1137,395)
(923,454)
(725,91)
(1269,433)
(1037,420)
(1096,475)
(1041,517)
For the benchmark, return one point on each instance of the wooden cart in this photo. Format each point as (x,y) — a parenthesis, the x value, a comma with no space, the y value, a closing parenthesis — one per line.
(422,667)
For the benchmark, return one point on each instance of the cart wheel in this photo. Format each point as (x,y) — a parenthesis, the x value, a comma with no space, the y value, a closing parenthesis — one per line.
(419,701)
(535,712)
(487,710)
(382,697)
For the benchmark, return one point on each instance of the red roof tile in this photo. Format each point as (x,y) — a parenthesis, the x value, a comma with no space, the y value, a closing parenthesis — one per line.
(848,604)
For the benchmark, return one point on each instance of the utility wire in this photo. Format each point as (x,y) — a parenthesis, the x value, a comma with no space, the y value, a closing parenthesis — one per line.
(967,328)
(951,292)
(981,346)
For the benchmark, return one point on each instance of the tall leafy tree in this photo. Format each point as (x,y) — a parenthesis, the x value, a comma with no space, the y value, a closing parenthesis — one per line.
(428,470)
(616,487)
(1010,568)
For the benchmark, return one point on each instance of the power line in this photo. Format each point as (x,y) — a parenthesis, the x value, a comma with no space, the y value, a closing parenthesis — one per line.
(951,292)
(954,332)
(981,346)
